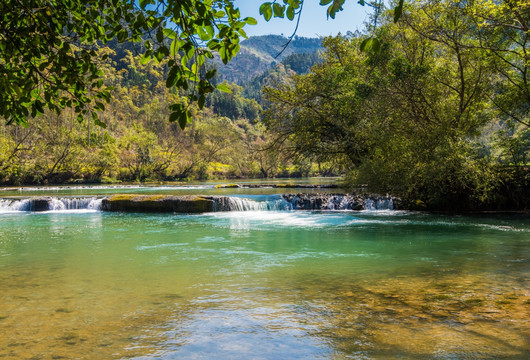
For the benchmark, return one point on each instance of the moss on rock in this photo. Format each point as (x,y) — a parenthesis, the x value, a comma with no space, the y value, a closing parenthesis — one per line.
(158,203)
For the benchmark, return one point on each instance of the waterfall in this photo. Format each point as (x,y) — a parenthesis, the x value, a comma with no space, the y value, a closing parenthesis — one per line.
(50,204)
(379,204)
(338,202)
(75,204)
(15,205)
(228,203)
(305,202)
(220,203)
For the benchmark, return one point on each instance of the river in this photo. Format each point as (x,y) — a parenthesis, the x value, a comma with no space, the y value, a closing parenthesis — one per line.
(277,284)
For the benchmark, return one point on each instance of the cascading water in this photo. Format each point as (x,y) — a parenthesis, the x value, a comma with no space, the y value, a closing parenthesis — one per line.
(228,203)
(50,204)
(16,205)
(221,203)
(75,204)
(338,202)
(379,204)
(305,202)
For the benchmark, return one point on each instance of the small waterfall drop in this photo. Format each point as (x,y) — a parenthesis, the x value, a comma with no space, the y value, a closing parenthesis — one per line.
(244,204)
(16,205)
(379,204)
(75,204)
(305,202)
(338,202)
(50,204)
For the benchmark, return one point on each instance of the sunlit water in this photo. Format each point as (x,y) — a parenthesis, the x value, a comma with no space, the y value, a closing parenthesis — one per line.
(263,285)
(185,188)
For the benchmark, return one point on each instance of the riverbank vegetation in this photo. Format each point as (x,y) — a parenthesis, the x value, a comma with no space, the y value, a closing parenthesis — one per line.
(437,113)
(137,143)
(436,110)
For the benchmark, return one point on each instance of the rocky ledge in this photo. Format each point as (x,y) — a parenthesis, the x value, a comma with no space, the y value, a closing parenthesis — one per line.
(201,204)
(159,203)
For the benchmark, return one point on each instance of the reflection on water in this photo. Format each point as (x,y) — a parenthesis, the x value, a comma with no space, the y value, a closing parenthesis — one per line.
(263,285)
(176,188)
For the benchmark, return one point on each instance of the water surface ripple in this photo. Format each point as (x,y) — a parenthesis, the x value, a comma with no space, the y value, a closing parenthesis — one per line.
(263,285)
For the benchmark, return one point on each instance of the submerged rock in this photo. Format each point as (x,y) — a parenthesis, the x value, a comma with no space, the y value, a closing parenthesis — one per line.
(159,203)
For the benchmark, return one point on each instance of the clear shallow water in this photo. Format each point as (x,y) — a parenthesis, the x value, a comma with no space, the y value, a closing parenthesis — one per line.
(187,188)
(263,285)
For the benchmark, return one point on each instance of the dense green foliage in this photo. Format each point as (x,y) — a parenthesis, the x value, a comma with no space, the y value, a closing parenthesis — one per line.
(301,63)
(225,139)
(439,114)
(48,57)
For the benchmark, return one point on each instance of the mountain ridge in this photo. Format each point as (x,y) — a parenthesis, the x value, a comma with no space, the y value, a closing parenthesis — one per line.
(261,53)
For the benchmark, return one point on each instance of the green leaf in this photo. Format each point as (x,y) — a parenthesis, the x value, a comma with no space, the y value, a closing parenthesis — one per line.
(38,106)
(203,35)
(186,118)
(371,44)
(175,46)
(160,35)
(211,73)
(325,2)
(290,13)
(250,21)
(174,116)
(172,76)
(100,123)
(278,10)
(224,88)
(243,33)
(182,120)
(266,10)
(144,3)
(398,10)
(145,59)
(122,36)
(170,33)
(194,69)
(201,101)
(334,8)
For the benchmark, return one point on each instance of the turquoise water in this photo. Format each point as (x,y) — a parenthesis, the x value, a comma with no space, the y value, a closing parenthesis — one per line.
(263,285)
(186,188)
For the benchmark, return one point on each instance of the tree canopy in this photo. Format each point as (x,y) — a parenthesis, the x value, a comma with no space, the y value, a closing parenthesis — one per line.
(438,114)
(48,56)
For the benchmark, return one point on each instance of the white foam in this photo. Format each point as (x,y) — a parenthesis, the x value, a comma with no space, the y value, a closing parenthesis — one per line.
(15,205)
(57,205)
(242,220)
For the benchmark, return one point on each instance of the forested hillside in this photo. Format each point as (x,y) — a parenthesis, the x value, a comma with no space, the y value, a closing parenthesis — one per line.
(261,53)
(138,143)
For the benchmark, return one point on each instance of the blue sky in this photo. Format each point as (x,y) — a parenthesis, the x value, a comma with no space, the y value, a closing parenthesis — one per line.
(313,22)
